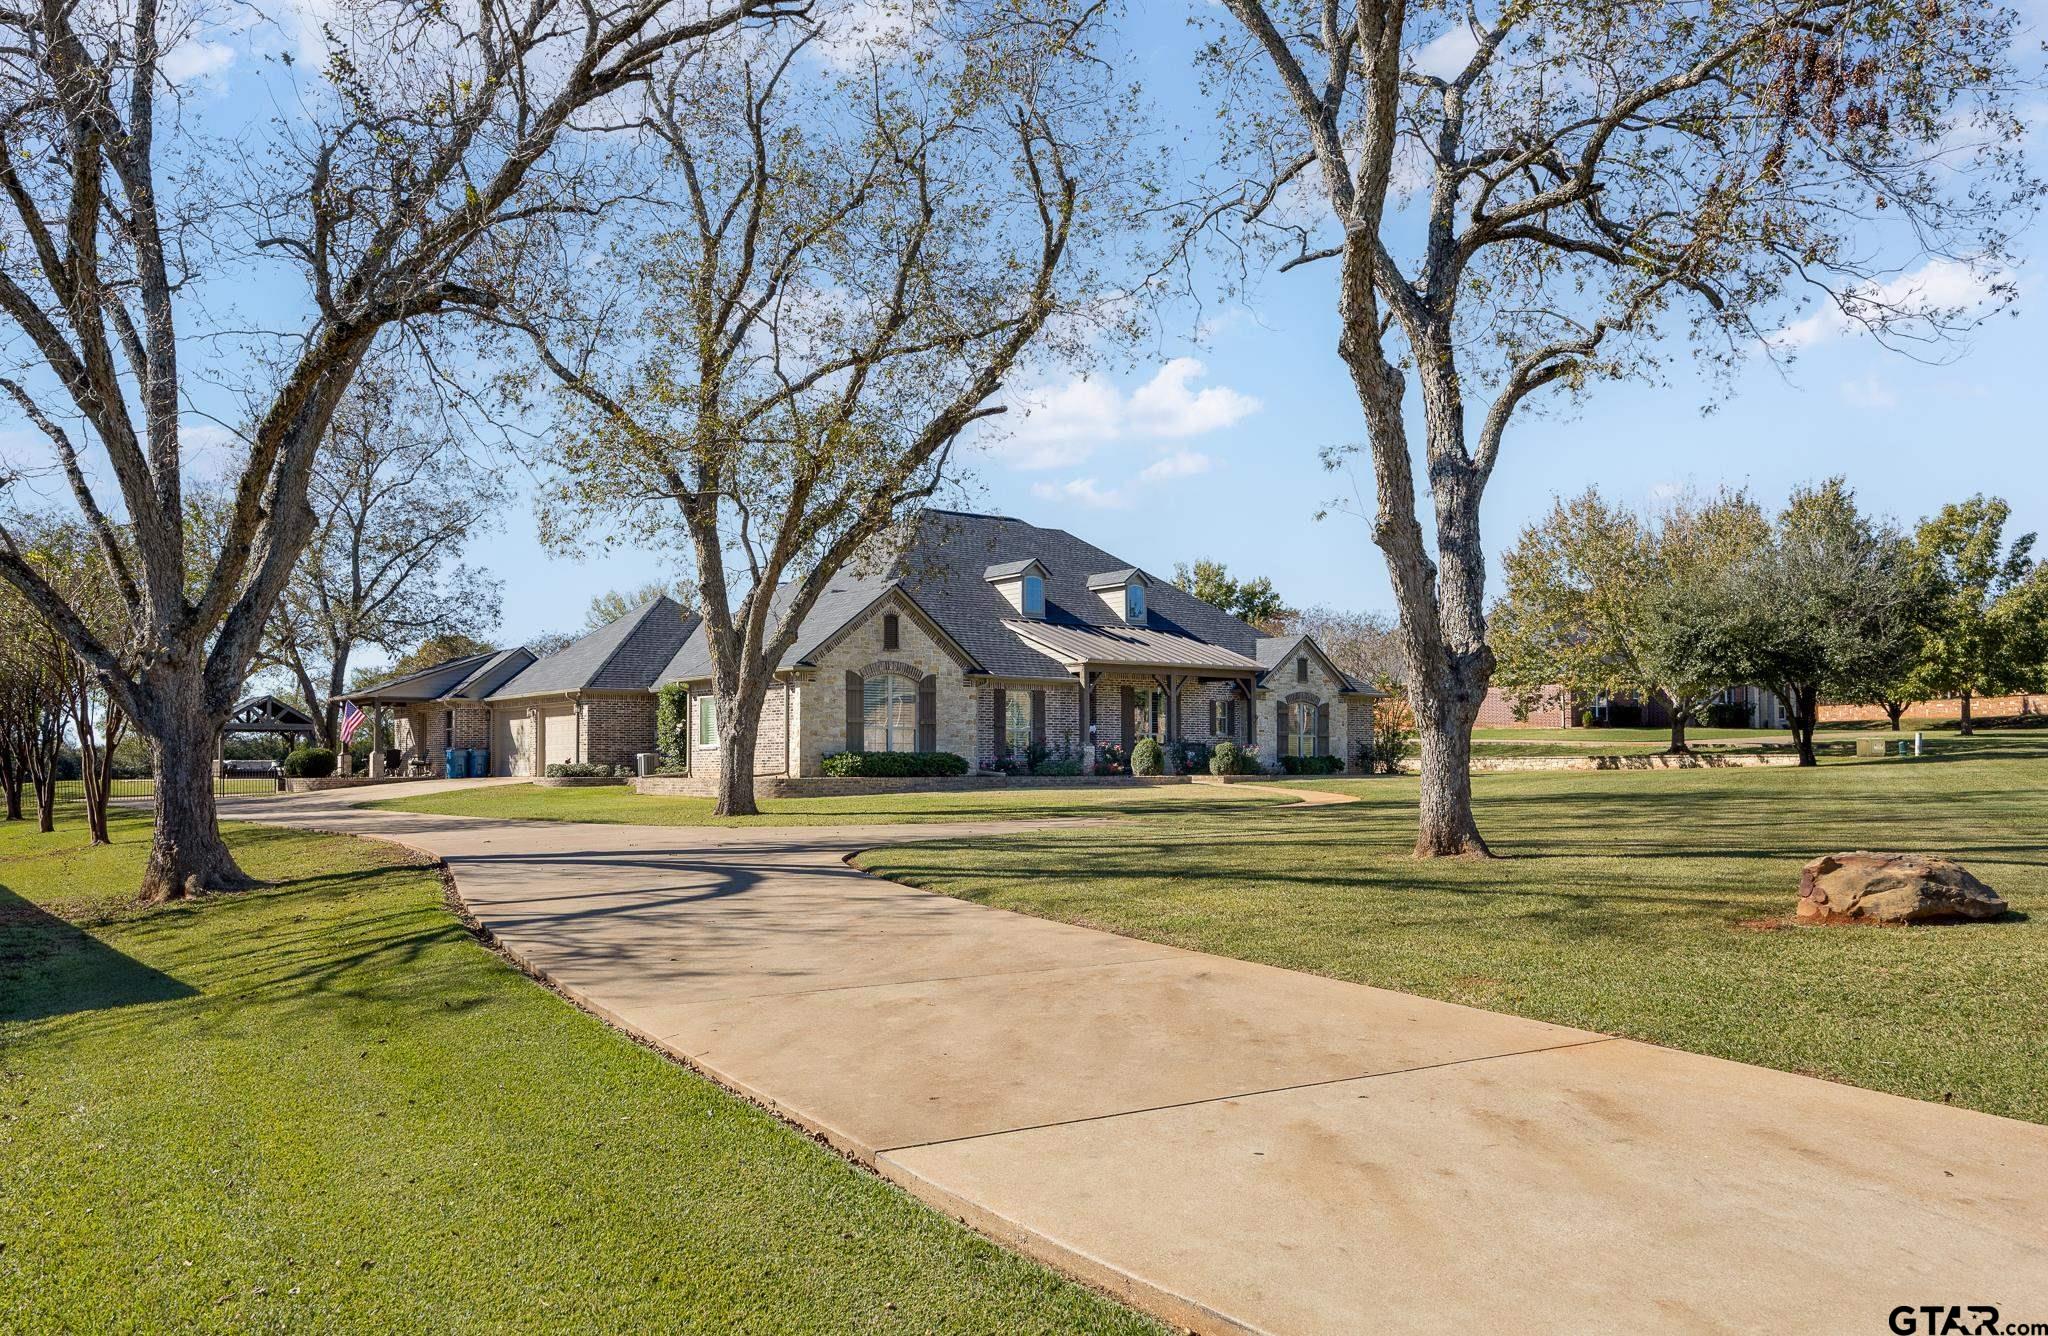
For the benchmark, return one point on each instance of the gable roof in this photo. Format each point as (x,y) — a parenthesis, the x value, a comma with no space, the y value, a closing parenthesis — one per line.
(1004,570)
(942,566)
(1116,579)
(626,654)
(465,677)
(1272,651)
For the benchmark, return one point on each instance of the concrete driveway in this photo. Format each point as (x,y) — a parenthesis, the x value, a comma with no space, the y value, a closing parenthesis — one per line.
(1240,1148)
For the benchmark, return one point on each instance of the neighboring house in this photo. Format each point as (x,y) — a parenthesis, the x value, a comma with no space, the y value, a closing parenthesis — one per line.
(590,701)
(438,707)
(978,635)
(1555,707)
(985,636)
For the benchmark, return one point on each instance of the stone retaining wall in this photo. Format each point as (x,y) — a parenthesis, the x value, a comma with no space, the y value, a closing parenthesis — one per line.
(1484,765)
(578,781)
(346,782)
(833,786)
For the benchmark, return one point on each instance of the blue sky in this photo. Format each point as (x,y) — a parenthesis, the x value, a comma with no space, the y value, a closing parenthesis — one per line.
(1211,448)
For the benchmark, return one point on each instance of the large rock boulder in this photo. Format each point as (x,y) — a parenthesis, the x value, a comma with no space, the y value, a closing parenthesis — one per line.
(1865,887)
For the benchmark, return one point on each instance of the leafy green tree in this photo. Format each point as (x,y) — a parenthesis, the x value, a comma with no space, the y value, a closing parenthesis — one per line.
(1829,606)
(1579,187)
(1601,599)
(1988,628)
(613,604)
(1254,601)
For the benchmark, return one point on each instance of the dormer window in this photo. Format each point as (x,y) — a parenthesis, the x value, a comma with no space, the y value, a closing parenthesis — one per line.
(1022,585)
(1122,593)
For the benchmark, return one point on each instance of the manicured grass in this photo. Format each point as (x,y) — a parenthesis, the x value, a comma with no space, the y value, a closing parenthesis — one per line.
(1649,904)
(526,802)
(322,1106)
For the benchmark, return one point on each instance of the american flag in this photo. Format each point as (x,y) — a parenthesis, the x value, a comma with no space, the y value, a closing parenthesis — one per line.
(351,720)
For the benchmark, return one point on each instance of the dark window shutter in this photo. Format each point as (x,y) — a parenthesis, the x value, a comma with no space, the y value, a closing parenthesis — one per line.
(892,634)
(1130,717)
(1037,718)
(1002,722)
(1279,728)
(856,713)
(1322,730)
(1212,718)
(928,713)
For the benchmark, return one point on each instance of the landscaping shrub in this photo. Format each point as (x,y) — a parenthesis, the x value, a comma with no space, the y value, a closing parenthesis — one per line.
(894,765)
(1728,715)
(1059,763)
(584,770)
(671,726)
(309,763)
(1311,765)
(1109,760)
(1226,759)
(1393,733)
(1148,757)
(1587,719)
(1191,758)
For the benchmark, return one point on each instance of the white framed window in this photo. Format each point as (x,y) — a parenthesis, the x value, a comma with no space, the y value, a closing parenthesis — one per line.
(707,721)
(1134,603)
(1301,730)
(889,713)
(1034,597)
(1016,723)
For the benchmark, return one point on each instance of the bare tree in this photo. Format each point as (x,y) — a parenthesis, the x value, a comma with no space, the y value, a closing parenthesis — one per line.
(1575,179)
(395,499)
(831,280)
(429,133)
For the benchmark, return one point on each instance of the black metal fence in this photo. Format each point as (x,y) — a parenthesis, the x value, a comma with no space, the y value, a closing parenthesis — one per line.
(144,788)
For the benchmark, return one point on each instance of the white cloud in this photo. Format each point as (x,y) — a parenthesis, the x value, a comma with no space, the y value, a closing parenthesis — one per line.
(1082,491)
(1061,426)
(1939,290)
(1179,464)
(1867,391)
(195,61)
(1445,54)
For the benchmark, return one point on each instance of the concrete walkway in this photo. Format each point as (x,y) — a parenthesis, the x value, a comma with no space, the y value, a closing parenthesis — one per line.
(1241,1148)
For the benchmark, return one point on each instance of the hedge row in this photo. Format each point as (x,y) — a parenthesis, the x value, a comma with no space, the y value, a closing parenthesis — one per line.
(894,765)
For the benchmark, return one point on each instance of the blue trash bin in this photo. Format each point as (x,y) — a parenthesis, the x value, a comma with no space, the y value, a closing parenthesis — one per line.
(479,762)
(455,765)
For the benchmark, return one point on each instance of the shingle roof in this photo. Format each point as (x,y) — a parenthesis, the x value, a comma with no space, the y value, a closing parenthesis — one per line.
(627,654)
(1003,569)
(1117,578)
(465,677)
(1272,651)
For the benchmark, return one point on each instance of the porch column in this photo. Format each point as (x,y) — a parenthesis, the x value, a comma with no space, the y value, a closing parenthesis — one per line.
(1087,680)
(376,742)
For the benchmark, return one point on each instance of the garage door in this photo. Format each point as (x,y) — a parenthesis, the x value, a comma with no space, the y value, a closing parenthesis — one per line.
(558,736)
(511,743)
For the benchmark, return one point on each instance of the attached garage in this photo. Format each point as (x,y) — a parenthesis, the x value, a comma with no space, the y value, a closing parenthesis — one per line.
(511,741)
(558,735)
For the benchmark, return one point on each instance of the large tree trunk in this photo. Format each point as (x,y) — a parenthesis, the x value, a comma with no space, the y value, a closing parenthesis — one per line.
(1446,827)
(739,727)
(1965,727)
(1895,710)
(186,854)
(1677,731)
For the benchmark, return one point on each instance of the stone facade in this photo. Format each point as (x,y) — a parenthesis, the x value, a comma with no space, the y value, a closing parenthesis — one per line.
(819,722)
(424,731)
(1304,679)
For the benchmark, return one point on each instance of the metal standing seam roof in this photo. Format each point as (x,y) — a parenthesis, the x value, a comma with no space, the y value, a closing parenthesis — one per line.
(1136,646)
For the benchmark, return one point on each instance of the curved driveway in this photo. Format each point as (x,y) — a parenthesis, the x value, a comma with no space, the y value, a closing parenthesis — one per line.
(1241,1148)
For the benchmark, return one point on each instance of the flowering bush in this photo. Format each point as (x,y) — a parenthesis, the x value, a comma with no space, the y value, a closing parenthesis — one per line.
(1109,760)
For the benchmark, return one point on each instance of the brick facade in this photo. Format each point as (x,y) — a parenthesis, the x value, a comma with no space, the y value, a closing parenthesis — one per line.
(819,725)
(1064,728)
(611,728)
(1981,707)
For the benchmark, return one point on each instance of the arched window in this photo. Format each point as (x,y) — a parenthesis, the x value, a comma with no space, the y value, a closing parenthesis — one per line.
(889,713)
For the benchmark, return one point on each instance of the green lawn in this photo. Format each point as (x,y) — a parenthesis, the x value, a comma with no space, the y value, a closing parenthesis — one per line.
(1648,904)
(323,1106)
(613,804)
